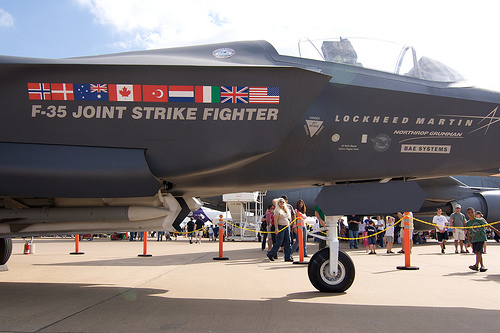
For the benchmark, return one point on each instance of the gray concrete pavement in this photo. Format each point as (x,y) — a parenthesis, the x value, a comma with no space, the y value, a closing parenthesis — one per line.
(182,289)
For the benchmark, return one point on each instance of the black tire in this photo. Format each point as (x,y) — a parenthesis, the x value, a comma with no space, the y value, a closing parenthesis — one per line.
(319,272)
(5,250)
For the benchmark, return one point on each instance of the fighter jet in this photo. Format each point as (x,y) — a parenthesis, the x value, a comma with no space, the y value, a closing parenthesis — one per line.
(129,141)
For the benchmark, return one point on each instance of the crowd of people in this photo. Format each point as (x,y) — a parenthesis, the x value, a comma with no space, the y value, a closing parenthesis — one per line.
(195,230)
(374,232)
(280,231)
(469,232)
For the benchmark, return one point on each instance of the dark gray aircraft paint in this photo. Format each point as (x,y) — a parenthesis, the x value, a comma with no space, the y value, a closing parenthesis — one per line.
(206,120)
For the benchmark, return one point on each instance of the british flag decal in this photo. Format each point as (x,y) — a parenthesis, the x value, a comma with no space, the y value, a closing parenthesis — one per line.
(231,94)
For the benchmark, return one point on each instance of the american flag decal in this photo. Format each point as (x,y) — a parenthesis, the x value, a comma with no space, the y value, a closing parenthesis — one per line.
(264,95)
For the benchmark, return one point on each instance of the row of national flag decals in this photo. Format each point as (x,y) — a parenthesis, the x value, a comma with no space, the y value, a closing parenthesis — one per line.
(152,93)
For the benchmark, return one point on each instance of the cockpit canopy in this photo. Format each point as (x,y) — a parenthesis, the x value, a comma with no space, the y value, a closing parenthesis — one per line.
(379,55)
(341,51)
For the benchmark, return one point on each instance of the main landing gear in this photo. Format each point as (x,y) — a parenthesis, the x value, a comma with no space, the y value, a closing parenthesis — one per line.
(331,270)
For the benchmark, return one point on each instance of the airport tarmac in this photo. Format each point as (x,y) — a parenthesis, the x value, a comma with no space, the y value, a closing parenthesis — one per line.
(180,288)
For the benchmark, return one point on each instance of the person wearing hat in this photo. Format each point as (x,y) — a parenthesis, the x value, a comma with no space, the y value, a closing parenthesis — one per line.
(457,219)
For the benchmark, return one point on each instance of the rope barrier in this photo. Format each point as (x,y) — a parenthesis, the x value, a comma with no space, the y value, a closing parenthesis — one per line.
(348,238)
(375,234)
(187,232)
(435,225)
(271,232)
(362,237)
(263,232)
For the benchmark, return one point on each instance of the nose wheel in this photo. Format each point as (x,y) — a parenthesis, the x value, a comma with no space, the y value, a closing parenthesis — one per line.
(320,276)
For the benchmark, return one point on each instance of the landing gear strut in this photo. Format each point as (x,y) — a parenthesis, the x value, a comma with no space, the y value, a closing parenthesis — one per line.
(331,270)
(5,250)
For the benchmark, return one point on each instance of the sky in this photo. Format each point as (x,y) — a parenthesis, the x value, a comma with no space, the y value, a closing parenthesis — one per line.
(462,34)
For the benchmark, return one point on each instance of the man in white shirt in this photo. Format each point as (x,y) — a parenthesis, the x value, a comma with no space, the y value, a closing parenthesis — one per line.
(441,230)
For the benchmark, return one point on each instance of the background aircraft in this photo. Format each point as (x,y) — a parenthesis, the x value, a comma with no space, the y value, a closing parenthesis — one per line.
(481,193)
(127,142)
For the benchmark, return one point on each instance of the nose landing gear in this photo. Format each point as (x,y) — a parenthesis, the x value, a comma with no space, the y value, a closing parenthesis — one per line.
(331,270)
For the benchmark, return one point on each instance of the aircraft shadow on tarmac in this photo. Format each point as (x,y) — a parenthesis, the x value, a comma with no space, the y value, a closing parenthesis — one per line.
(249,257)
(40,307)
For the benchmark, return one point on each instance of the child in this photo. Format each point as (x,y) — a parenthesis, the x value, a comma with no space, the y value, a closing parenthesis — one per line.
(371,230)
(477,236)
(362,233)
(479,215)
(389,234)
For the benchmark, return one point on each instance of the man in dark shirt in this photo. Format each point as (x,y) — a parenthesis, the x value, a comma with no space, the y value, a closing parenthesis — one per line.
(370,231)
(198,229)
(190,229)
(353,222)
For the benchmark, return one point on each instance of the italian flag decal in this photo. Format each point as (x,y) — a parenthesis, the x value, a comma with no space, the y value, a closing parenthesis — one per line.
(207,94)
